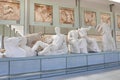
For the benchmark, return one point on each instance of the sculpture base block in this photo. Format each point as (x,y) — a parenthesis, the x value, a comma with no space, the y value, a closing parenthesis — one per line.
(54,65)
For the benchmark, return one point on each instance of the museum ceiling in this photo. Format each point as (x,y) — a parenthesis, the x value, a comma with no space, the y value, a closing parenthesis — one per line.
(106,2)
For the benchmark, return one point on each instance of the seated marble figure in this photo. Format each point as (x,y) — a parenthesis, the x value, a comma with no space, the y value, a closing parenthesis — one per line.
(56,47)
(76,44)
(107,39)
(79,42)
(92,45)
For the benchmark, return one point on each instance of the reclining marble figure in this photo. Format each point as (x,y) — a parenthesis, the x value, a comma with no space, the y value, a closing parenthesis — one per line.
(16,47)
(12,47)
(76,44)
(57,46)
(91,42)
(107,39)
(29,51)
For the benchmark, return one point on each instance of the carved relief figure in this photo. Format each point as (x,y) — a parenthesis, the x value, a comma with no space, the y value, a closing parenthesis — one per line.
(9,10)
(10,0)
(66,16)
(90,18)
(43,13)
(118,21)
(106,18)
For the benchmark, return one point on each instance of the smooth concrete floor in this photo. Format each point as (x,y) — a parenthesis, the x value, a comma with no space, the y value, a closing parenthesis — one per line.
(104,74)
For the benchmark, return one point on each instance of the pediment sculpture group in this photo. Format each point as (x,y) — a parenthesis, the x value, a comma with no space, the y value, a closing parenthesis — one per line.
(77,41)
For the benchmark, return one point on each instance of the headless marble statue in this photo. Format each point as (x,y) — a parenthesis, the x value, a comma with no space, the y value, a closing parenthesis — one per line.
(16,47)
(57,46)
(107,39)
(91,42)
(76,45)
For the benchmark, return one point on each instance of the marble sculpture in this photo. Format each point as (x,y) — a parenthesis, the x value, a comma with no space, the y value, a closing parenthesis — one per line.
(79,42)
(107,39)
(76,44)
(57,46)
(91,42)
(12,47)
(28,50)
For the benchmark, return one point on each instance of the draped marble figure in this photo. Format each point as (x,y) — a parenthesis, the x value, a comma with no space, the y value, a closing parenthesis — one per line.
(91,42)
(57,46)
(107,39)
(79,42)
(76,44)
